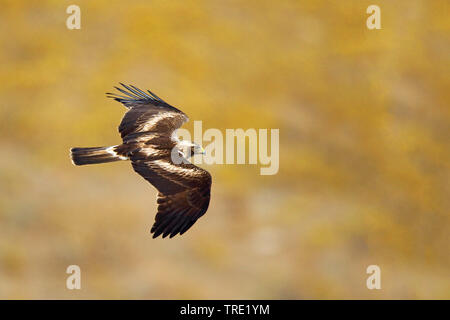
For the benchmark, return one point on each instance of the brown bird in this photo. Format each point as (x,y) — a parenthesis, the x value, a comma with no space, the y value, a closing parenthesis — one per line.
(150,143)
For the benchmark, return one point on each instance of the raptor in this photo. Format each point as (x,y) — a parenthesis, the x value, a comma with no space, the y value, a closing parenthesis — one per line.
(149,142)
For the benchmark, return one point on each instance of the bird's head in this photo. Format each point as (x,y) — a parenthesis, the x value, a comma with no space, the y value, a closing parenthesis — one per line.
(196,149)
(190,148)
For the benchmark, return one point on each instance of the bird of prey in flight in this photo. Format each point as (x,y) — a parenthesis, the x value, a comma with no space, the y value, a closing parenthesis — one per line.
(150,143)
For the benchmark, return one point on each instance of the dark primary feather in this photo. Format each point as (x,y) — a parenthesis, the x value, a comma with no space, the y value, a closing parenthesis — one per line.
(133,96)
(148,114)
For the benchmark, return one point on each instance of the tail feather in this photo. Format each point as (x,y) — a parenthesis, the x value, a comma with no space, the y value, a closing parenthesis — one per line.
(82,156)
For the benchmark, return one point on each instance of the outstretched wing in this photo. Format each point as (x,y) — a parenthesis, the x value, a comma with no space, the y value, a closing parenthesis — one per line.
(184,194)
(147,114)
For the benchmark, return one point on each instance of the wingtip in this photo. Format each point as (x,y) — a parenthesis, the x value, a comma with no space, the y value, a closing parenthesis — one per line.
(154,233)
(163,235)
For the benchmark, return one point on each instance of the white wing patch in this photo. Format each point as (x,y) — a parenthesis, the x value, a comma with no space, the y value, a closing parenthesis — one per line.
(192,172)
(150,152)
(153,121)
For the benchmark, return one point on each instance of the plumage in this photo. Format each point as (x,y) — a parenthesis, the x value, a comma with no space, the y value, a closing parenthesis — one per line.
(147,131)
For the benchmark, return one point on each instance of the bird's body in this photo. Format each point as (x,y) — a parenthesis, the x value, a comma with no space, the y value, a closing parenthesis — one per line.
(149,142)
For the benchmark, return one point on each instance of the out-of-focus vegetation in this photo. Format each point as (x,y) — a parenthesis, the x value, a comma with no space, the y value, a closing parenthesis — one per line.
(364,153)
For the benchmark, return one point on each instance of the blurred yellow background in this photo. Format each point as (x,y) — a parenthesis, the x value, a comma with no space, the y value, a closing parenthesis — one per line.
(364,149)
